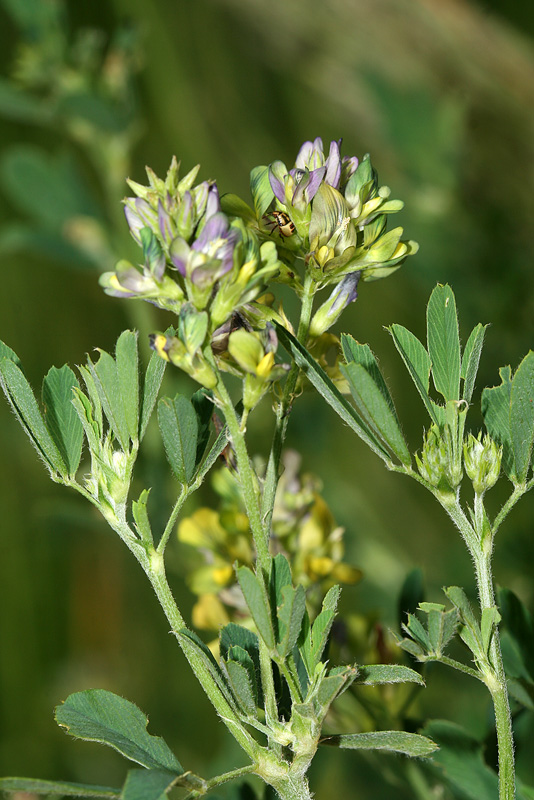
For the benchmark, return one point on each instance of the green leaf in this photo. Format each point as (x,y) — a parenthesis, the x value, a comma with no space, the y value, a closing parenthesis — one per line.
(290,616)
(233,635)
(60,415)
(203,405)
(179,430)
(469,630)
(519,628)
(471,359)
(496,413)
(242,677)
(7,352)
(444,342)
(415,628)
(489,620)
(461,758)
(60,788)
(209,674)
(322,625)
(127,359)
(22,401)
(140,515)
(94,398)
(234,206)
(85,411)
(374,674)
(106,379)
(410,744)
(333,685)
(258,604)
(214,452)
(261,190)
(417,362)
(153,377)
(97,715)
(279,579)
(320,380)
(374,402)
(522,416)
(142,784)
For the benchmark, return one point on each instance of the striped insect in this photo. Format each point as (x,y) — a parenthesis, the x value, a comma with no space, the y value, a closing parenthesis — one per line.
(282,221)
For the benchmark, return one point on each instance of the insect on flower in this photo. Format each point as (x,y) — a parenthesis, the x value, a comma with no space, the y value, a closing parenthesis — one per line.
(282,221)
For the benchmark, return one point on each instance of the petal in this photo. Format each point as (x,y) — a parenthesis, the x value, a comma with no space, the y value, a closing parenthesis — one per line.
(179,253)
(333,165)
(277,173)
(215,227)
(135,223)
(304,155)
(316,178)
(165,223)
(213,205)
(346,292)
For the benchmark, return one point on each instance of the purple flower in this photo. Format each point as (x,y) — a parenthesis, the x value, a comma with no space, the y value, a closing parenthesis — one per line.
(342,295)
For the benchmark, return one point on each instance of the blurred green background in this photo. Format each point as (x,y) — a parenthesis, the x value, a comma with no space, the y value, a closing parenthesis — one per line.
(441,93)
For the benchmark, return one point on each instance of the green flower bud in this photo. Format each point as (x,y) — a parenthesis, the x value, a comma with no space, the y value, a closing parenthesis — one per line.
(185,349)
(254,353)
(482,459)
(436,463)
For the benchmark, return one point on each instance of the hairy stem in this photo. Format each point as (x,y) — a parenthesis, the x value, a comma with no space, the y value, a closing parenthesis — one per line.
(496,680)
(247,479)
(284,408)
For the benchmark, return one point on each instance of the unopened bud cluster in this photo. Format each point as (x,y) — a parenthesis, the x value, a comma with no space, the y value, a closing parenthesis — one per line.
(482,460)
(437,464)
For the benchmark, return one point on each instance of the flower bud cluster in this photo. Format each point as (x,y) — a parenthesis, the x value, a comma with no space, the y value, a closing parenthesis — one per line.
(209,261)
(303,528)
(482,460)
(196,263)
(331,211)
(252,353)
(437,464)
(109,479)
(191,251)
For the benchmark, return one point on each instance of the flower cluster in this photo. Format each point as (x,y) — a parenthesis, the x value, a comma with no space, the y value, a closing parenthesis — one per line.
(192,252)
(210,259)
(204,267)
(330,212)
(303,528)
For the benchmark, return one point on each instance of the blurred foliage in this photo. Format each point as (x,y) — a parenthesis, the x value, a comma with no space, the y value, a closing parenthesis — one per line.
(442,95)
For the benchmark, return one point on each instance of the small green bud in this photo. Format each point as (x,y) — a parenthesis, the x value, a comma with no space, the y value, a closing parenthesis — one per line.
(482,459)
(436,463)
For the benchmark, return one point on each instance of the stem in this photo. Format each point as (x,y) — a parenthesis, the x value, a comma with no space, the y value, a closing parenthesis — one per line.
(516,495)
(228,776)
(479,541)
(451,662)
(247,479)
(496,678)
(269,694)
(284,408)
(182,497)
